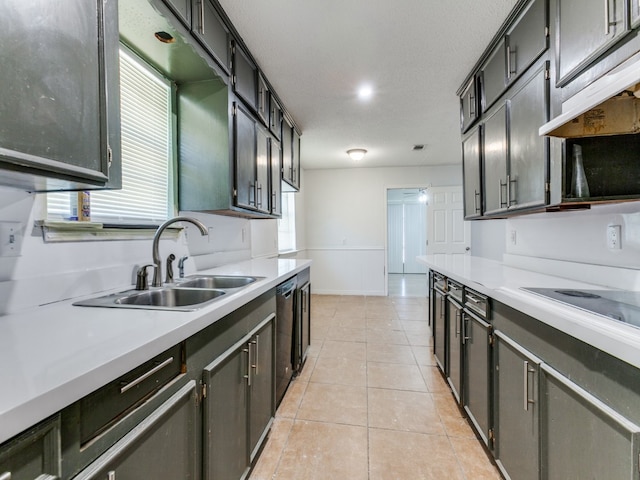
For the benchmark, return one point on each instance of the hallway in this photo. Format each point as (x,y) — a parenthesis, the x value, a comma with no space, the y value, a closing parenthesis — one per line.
(370,403)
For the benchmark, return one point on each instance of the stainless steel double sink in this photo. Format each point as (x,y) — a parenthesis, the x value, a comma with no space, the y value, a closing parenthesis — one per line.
(188,294)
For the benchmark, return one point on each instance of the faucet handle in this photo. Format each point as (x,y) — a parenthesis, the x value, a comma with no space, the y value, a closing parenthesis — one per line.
(142,283)
(181,265)
(170,260)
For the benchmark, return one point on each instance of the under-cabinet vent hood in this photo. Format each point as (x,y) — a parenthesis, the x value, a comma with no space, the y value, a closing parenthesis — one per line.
(609,106)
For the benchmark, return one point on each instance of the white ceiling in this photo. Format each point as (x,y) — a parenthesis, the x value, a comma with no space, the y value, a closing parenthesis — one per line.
(414,53)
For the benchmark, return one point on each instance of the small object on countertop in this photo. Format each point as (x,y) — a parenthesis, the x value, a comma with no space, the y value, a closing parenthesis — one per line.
(170,260)
(84,207)
(579,185)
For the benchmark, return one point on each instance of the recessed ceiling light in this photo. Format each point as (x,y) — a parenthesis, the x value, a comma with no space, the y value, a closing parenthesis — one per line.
(356,153)
(365,92)
(418,147)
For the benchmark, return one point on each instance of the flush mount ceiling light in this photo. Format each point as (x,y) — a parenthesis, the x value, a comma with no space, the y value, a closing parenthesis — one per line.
(365,92)
(356,153)
(164,37)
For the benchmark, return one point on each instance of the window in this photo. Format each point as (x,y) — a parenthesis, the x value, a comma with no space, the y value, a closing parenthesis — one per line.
(147,153)
(287,224)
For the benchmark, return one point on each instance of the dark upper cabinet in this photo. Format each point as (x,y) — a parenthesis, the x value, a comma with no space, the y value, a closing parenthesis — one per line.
(471,168)
(210,29)
(245,155)
(295,173)
(494,80)
(264,96)
(182,9)
(585,29)
(517,50)
(495,160)
(516,158)
(275,118)
(60,83)
(263,166)
(469,105)
(275,156)
(245,77)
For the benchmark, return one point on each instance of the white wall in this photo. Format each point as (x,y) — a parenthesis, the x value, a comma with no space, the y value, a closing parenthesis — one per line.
(346,223)
(48,272)
(488,238)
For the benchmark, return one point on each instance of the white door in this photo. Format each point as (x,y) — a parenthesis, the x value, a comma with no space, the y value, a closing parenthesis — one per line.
(447,232)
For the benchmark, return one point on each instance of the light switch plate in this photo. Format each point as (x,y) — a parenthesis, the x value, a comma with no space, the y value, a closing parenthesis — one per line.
(10,239)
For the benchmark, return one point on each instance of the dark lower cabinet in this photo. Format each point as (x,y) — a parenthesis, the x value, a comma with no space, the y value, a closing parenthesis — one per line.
(476,371)
(581,436)
(34,454)
(161,446)
(454,330)
(517,440)
(239,404)
(439,328)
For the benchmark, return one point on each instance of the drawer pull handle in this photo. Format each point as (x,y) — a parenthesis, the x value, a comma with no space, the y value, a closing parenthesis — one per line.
(144,376)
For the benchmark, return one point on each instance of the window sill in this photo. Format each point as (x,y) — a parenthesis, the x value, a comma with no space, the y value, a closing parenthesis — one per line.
(64,231)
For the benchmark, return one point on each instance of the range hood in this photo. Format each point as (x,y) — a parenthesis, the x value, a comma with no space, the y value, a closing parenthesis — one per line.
(609,106)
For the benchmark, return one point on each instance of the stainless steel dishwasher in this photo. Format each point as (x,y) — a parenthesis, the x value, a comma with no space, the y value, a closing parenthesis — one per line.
(285,315)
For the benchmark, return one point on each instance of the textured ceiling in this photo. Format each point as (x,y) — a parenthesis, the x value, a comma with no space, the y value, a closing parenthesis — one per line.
(414,53)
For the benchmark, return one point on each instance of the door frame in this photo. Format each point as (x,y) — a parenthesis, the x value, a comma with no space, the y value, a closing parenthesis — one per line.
(414,186)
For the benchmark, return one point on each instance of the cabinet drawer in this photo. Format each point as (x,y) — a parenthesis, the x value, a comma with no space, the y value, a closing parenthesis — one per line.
(101,409)
(477,303)
(455,290)
(34,454)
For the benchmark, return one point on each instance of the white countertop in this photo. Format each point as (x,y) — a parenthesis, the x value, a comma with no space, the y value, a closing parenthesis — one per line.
(53,355)
(504,284)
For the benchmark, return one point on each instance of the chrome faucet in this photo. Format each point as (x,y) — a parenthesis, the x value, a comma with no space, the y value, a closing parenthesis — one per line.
(157,270)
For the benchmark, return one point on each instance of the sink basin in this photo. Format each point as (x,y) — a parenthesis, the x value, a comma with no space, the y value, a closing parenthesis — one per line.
(215,281)
(167,298)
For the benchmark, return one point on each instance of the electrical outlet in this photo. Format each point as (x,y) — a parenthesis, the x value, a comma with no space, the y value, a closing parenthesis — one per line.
(10,239)
(513,237)
(614,237)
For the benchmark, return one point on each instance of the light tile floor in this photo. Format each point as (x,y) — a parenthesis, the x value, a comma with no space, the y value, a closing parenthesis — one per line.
(369,403)
(407,285)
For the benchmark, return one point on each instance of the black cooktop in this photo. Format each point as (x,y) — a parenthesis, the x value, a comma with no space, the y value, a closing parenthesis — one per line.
(621,305)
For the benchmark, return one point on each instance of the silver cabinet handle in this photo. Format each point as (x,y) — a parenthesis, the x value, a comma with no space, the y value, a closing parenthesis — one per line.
(476,196)
(256,346)
(510,200)
(465,328)
(607,23)
(201,17)
(500,185)
(5,476)
(508,62)
(111,475)
(527,370)
(248,375)
(472,105)
(458,321)
(512,67)
(144,376)
(259,195)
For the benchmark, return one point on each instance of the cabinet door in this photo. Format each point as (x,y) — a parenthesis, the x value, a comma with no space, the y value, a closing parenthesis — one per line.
(454,369)
(262,171)
(161,446)
(494,79)
(527,39)
(471,148)
(245,77)
(581,436)
(275,154)
(476,370)
(225,416)
(305,320)
(275,118)
(263,100)
(245,153)
(469,105)
(59,64)
(495,161)
(261,386)
(516,409)
(34,453)
(287,151)
(182,8)
(439,329)
(586,28)
(212,32)
(528,152)
(635,13)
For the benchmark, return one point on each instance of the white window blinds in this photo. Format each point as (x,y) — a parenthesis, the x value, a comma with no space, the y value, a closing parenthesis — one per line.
(146,131)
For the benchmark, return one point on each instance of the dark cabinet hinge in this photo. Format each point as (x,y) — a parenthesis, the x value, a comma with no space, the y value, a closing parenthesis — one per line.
(547,187)
(204,391)
(547,74)
(546,31)
(491,339)
(492,438)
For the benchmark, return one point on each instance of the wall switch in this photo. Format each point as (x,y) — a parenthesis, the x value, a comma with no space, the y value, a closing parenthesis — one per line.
(614,237)
(10,239)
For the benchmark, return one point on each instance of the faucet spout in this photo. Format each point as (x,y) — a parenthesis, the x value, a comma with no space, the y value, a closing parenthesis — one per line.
(157,271)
